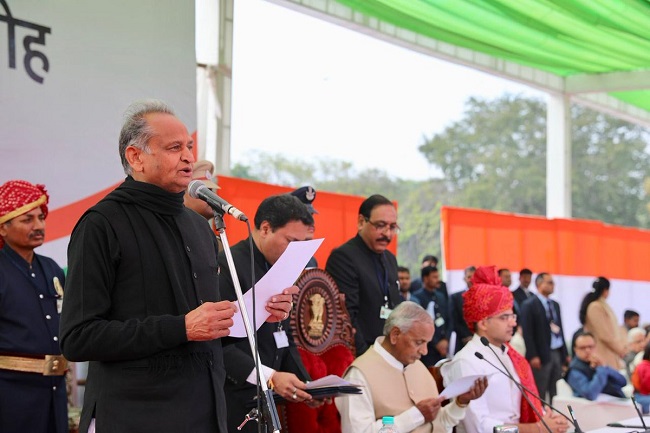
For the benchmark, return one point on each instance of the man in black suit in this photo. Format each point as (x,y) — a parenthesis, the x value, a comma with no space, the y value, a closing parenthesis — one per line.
(366,272)
(279,220)
(457,322)
(142,299)
(416,283)
(546,349)
(522,293)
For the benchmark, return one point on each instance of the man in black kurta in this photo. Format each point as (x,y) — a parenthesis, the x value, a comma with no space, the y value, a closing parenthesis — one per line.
(279,219)
(366,272)
(30,401)
(142,303)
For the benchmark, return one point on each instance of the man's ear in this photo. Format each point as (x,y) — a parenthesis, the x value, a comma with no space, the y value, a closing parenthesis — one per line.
(360,220)
(134,158)
(394,334)
(265,228)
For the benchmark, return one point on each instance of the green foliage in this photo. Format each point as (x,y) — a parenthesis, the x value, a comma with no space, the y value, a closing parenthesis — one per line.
(493,158)
(418,208)
(243,172)
(610,161)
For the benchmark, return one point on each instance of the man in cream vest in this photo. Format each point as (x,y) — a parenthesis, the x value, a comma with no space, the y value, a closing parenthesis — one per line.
(397,384)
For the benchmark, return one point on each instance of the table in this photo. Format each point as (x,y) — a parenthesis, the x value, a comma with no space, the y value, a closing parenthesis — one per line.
(634,421)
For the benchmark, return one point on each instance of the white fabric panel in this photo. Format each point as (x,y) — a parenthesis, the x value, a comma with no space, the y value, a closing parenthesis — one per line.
(569,291)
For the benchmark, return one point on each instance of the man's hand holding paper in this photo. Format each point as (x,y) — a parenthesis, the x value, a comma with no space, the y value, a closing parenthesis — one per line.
(283,274)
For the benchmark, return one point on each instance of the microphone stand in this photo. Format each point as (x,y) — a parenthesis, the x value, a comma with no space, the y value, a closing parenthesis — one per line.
(266,412)
(507,373)
(524,387)
(639,413)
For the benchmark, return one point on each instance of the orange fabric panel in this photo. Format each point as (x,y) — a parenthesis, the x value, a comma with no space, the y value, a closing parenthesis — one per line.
(562,246)
(336,220)
(61,221)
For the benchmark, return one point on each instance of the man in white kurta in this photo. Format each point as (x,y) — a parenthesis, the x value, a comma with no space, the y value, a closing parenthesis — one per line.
(488,312)
(397,384)
(502,399)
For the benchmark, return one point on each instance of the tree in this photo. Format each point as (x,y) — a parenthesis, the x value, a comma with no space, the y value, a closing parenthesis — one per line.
(495,158)
(419,202)
(610,160)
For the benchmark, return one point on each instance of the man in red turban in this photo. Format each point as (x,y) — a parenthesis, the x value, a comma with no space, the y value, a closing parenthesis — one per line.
(487,308)
(32,370)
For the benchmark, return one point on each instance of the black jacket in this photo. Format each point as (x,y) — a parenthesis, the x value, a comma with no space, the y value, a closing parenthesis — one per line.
(354,268)
(520,296)
(537,331)
(139,261)
(457,322)
(29,324)
(237,353)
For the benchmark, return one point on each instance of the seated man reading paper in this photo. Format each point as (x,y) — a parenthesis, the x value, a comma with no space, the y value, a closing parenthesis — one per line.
(396,383)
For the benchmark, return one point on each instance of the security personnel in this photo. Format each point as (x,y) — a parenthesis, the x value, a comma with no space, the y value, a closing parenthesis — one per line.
(32,371)
(307,195)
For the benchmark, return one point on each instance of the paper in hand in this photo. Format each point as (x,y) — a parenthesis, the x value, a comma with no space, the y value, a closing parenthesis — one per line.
(282,274)
(461,385)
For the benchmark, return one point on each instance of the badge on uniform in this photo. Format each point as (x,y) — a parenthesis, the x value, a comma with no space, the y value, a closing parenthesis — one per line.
(555,329)
(384,312)
(439,321)
(59,293)
(281,339)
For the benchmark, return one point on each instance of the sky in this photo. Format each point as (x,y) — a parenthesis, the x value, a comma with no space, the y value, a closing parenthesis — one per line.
(307,89)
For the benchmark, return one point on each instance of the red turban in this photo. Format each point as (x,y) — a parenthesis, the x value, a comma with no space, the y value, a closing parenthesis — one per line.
(486,298)
(18,197)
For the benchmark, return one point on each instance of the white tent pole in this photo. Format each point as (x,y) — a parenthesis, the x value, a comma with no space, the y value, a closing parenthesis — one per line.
(558,156)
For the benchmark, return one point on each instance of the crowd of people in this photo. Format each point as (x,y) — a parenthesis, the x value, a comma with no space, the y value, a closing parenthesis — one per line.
(602,358)
(148,301)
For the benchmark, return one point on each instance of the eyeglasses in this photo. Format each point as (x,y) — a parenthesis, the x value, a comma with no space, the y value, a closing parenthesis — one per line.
(589,346)
(380,226)
(505,317)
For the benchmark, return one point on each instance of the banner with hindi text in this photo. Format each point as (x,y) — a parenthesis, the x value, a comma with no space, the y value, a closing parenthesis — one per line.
(68,70)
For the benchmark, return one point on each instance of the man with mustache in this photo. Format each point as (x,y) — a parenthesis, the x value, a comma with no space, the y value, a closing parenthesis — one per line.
(143,302)
(366,272)
(32,370)
(487,309)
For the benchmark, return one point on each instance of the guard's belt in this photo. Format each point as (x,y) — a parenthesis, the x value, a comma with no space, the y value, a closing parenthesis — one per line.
(47,365)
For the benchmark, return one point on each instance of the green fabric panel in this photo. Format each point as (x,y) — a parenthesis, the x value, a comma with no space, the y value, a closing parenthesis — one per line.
(638,98)
(563,37)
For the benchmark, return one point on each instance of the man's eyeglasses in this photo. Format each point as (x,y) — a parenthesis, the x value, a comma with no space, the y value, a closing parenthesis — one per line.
(505,317)
(588,346)
(380,226)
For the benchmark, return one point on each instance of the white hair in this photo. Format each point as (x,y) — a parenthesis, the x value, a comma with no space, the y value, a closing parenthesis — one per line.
(405,315)
(136,131)
(633,333)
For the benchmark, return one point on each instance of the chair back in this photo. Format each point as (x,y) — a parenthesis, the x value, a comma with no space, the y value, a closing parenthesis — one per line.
(322,331)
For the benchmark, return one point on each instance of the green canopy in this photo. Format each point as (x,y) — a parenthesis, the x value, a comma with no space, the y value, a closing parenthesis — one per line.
(596,51)
(593,52)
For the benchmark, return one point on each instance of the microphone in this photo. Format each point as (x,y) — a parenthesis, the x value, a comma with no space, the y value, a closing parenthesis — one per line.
(639,413)
(197,189)
(524,390)
(573,417)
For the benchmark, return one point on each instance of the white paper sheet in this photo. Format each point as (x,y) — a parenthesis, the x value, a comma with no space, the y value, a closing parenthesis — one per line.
(282,274)
(330,380)
(461,385)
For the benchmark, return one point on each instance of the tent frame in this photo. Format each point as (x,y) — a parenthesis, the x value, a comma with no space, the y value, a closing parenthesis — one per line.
(586,89)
